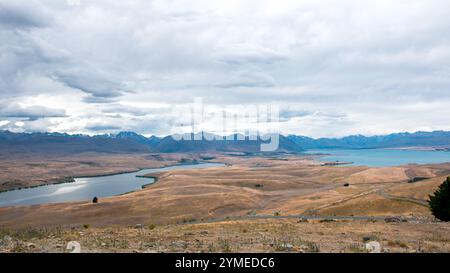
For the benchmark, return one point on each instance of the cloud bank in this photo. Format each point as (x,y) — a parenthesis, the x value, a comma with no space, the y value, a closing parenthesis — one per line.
(353,67)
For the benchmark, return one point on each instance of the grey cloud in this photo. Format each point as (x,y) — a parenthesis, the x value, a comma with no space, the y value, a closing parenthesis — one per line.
(30,113)
(144,125)
(20,14)
(39,125)
(360,66)
(288,114)
(102,127)
(19,58)
(245,84)
(253,58)
(97,86)
(93,99)
(123,109)
(248,80)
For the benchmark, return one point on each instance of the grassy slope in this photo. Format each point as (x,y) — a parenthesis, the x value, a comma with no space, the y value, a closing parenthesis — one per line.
(252,185)
(270,235)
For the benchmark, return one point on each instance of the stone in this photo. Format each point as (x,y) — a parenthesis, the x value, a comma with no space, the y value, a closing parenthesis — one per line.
(7,239)
(74,246)
(287,246)
(304,248)
(373,247)
(31,245)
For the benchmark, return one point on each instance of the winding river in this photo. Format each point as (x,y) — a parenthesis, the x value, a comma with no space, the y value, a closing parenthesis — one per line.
(85,188)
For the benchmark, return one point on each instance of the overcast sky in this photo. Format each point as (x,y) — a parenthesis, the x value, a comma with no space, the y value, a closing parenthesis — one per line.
(334,67)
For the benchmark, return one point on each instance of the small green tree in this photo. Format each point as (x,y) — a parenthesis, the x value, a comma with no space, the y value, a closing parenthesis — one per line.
(440,201)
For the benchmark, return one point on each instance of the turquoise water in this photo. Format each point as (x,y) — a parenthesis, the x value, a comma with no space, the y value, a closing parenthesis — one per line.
(382,157)
(87,188)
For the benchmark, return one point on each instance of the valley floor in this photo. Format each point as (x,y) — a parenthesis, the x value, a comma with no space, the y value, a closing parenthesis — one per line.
(196,210)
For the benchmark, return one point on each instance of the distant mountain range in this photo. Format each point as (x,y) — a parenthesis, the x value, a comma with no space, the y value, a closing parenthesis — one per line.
(130,142)
(398,140)
(58,143)
(126,142)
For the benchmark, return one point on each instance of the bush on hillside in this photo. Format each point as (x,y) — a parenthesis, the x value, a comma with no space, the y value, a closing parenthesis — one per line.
(440,201)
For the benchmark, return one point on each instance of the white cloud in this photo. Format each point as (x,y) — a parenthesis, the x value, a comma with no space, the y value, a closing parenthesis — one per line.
(4,122)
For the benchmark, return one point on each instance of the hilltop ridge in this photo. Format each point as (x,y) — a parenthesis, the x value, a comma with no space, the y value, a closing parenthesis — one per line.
(131,142)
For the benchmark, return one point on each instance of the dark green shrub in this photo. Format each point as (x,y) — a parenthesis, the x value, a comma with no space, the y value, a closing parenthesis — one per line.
(440,201)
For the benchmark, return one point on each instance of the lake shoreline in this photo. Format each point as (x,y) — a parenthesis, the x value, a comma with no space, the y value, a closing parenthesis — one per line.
(139,186)
(71,179)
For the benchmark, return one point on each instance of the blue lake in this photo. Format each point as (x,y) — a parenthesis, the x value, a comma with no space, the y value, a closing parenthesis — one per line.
(87,188)
(381,157)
